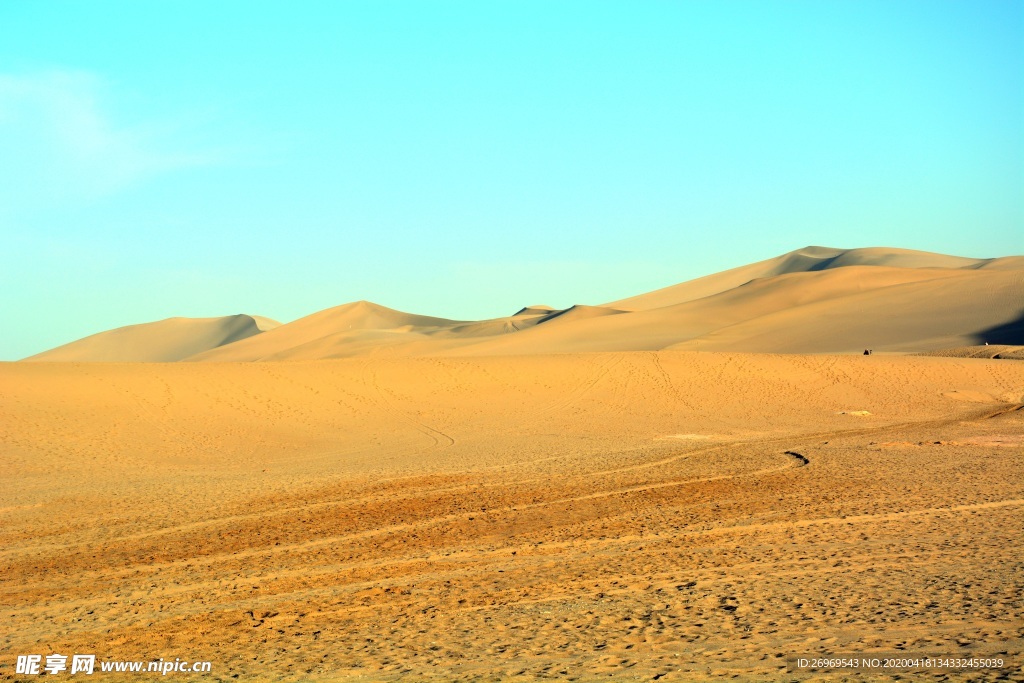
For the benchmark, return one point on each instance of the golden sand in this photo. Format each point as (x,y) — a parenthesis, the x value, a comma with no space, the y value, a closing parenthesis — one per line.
(613,516)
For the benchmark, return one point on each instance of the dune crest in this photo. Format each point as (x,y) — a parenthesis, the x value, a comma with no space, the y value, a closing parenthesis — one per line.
(172,339)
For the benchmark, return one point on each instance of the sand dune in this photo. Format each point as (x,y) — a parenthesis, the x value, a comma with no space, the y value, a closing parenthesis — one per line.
(808,259)
(945,312)
(992,296)
(813,300)
(606,516)
(172,339)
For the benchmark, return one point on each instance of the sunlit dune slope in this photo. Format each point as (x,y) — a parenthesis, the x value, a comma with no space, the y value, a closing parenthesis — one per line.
(808,259)
(164,340)
(970,308)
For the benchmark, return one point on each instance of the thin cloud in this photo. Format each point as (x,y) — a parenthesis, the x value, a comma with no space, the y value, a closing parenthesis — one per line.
(60,142)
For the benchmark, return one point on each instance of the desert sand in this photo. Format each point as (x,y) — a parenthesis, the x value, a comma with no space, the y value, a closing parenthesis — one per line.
(615,516)
(627,491)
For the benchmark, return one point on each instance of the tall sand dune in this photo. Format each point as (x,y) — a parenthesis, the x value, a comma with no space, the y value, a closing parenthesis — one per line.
(808,259)
(934,314)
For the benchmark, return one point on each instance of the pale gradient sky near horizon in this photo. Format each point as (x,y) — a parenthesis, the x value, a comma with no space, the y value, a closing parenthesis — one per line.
(464,159)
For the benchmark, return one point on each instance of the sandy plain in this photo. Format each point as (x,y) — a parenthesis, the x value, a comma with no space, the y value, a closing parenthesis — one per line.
(671,515)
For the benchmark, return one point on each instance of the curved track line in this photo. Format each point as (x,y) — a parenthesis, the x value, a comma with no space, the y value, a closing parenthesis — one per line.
(439,438)
(381,531)
(790,567)
(583,388)
(670,382)
(800,439)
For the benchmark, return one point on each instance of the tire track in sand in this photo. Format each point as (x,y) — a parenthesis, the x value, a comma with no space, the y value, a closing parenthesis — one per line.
(440,439)
(794,463)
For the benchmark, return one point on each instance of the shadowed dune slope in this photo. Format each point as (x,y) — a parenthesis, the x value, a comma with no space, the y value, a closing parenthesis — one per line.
(172,339)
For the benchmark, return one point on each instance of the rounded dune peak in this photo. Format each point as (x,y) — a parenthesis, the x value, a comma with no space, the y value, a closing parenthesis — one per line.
(365,304)
(365,314)
(817,251)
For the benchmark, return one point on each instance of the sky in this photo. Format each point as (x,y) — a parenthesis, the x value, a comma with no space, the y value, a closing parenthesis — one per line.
(465,159)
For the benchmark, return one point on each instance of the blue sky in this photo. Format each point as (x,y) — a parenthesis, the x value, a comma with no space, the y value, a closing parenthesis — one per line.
(464,159)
